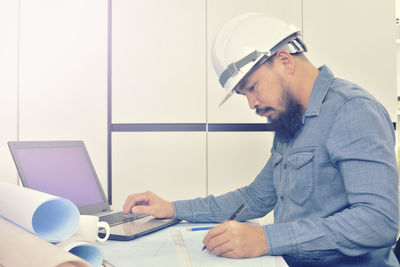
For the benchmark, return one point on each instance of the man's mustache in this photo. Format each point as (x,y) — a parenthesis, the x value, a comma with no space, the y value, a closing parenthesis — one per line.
(261,111)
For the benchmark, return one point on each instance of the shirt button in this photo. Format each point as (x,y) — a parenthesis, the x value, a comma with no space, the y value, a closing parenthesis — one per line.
(282,198)
(285,166)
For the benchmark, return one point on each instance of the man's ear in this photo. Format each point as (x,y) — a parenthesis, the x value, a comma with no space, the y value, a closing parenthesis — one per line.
(286,60)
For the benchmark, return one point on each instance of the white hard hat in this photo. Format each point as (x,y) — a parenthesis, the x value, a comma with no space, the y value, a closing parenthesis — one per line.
(248,40)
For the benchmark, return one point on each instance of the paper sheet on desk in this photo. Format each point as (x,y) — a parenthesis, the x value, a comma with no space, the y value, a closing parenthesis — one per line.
(158,249)
(19,248)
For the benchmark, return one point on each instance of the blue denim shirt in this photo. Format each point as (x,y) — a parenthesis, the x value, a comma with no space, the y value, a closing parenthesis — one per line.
(333,188)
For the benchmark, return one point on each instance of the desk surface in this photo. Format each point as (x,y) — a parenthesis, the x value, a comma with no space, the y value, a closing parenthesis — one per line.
(159,249)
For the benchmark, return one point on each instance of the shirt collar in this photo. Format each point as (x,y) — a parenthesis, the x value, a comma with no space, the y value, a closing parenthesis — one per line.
(319,91)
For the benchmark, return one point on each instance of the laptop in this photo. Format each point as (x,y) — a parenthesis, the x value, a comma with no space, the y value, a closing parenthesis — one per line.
(64,169)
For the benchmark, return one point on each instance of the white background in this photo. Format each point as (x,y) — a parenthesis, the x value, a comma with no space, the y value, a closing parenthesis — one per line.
(53,82)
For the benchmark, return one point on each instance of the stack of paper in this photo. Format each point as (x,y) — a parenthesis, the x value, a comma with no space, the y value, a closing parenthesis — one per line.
(37,229)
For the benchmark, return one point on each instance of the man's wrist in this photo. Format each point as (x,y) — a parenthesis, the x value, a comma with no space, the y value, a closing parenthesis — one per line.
(264,243)
(171,209)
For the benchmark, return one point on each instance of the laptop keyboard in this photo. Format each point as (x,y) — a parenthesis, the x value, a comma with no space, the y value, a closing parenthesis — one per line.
(119,217)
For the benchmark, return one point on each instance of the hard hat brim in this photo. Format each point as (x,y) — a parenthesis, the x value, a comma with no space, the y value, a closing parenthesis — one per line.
(234,81)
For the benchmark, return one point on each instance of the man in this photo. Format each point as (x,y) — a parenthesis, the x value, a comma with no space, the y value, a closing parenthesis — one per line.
(331,178)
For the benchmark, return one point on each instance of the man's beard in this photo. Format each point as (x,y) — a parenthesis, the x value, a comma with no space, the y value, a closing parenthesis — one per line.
(287,122)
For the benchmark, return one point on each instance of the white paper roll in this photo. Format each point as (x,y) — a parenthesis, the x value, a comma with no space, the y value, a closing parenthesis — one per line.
(51,218)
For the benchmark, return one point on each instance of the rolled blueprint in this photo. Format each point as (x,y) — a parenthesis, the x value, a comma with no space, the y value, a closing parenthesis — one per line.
(50,217)
(86,250)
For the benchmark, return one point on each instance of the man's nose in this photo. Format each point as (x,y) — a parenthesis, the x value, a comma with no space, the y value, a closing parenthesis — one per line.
(253,102)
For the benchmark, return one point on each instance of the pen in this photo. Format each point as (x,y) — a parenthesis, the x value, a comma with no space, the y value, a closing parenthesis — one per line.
(234,215)
(237,213)
(200,228)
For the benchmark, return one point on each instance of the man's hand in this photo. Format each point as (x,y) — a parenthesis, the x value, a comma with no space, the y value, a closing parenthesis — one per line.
(233,239)
(149,203)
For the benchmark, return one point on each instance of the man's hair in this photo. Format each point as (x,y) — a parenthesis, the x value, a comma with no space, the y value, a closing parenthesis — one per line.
(299,55)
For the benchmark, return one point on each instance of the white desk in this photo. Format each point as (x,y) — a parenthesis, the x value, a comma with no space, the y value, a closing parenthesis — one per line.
(159,249)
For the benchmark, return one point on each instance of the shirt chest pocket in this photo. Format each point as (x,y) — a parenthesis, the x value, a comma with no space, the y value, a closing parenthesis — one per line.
(300,173)
(277,160)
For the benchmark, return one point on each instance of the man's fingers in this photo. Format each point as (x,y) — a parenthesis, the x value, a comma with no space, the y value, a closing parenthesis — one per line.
(142,209)
(129,203)
(222,245)
(237,241)
(231,254)
(218,244)
(224,249)
(134,199)
(217,230)
(215,237)
(148,203)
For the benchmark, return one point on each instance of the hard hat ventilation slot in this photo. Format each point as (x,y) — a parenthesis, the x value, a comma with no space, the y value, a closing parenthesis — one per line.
(293,44)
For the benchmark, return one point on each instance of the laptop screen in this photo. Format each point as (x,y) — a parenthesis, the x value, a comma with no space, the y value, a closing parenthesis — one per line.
(62,171)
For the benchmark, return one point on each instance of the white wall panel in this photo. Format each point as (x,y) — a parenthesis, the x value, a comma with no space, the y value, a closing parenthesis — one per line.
(159,61)
(218,13)
(235,159)
(398,64)
(8,86)
(171,164)
(356,39)
(63,86)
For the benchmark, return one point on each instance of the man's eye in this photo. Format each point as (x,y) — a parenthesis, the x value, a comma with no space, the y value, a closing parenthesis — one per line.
(239,92)
(250,89)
